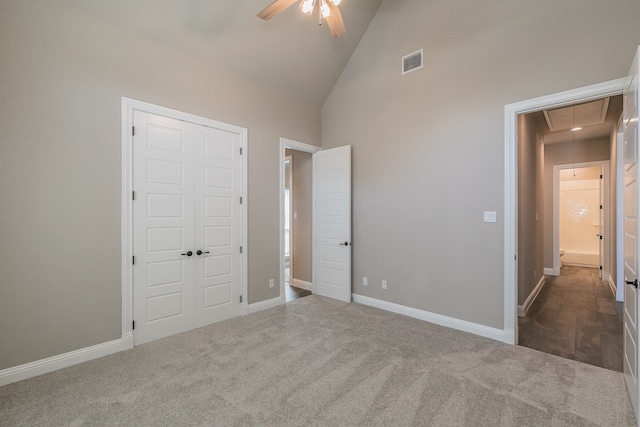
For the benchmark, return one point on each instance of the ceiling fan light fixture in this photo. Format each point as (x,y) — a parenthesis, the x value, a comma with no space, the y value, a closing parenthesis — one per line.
(307,6)
(325,11)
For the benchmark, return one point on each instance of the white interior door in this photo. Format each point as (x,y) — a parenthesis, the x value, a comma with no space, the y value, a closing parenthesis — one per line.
(332,223)
(187,225)
(218,225)
(631,231)
(163,226)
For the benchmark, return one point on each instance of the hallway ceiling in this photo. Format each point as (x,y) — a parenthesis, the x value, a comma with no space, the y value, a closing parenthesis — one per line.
(289,53)
(596,118)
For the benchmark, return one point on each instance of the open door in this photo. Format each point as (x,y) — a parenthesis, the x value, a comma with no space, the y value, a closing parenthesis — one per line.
(631,231)
(332,223)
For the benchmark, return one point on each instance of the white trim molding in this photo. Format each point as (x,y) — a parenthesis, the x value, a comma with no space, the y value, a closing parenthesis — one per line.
(264,305)
(551,272)
(50,364)
(522,309)
(511,112)
(450,322)
(612,285)
(302,284)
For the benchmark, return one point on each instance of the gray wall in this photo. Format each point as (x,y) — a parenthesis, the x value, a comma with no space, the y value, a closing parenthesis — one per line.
(590,150)
(428,147)
(302,205)
(530,206)
(62,77)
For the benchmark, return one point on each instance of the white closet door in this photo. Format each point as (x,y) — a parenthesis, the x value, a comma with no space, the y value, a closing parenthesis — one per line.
(218,224)
(163,226)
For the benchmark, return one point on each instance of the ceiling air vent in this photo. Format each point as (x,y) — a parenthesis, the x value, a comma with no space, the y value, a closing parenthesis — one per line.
(412,62)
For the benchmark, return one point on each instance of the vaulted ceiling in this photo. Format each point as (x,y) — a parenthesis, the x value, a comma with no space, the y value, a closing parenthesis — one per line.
(290,53)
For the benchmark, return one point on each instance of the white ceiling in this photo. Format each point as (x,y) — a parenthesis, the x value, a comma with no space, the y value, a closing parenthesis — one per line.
(289,53)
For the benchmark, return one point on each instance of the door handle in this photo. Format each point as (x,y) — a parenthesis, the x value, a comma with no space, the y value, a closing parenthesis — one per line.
(188,253)
(199,252)
(634,283)
(345,244)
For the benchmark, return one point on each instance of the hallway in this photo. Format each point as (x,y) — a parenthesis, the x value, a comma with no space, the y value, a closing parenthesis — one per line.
(575,316)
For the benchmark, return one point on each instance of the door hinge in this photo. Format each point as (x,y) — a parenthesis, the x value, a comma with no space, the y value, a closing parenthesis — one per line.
(240,199)
(133,131)
(240,298)
(600,267)
(601,237)
(240,249)
(133,195)
(600,176)
(133,260)
(241,151)
(600,206)
(515,257)
(133,325)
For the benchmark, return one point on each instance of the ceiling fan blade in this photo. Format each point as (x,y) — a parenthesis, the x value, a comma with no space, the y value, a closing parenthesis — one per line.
(275,8)
(335,22)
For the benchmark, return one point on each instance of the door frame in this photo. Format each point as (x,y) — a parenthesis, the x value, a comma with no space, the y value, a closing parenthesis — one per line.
(298,146)
(604,165)
(511,112)
(128,107)
(290,183)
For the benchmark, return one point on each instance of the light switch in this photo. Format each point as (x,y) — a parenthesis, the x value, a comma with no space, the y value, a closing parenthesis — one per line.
(489,216)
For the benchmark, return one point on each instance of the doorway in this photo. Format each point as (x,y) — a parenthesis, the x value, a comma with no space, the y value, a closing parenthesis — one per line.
(297,207)
(330,217)
(563,220)
(296,201)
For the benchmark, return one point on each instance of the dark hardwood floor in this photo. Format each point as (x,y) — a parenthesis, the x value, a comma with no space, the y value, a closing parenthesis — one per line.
(576,316)
(292,293)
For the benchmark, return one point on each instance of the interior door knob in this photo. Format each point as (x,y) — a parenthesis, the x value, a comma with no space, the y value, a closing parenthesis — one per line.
(188,253)
(344,244)
(199,252)
(634,283)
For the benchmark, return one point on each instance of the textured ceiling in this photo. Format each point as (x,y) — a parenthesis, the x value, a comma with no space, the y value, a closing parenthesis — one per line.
(289,53)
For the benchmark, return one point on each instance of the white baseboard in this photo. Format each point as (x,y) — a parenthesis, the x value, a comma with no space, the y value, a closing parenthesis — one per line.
(450,322)
(551,272)
(522,309)
(302,284)
(264,305)
(50,364)
(613,286)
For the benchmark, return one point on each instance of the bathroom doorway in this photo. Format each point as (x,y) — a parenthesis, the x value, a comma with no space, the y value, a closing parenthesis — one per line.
(580,231)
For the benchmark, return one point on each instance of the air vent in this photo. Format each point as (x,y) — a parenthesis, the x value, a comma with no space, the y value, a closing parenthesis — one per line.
(412,62)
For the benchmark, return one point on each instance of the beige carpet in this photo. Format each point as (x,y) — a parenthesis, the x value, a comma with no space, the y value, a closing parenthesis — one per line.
(324,363)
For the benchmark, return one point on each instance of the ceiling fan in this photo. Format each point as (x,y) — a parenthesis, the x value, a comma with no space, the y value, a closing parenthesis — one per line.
(327,9)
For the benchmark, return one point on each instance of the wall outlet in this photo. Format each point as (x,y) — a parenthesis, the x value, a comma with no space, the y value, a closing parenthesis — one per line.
(271,283)
(384,284)
(365,281)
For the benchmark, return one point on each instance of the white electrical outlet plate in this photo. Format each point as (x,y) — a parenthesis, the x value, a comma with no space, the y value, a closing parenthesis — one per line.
(489,216)
(384,284)
(365,281)
(271,283)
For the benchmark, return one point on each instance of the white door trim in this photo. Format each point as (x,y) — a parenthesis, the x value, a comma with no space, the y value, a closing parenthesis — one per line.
(299,146)
(511,112)
(128,106)
(604,165)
